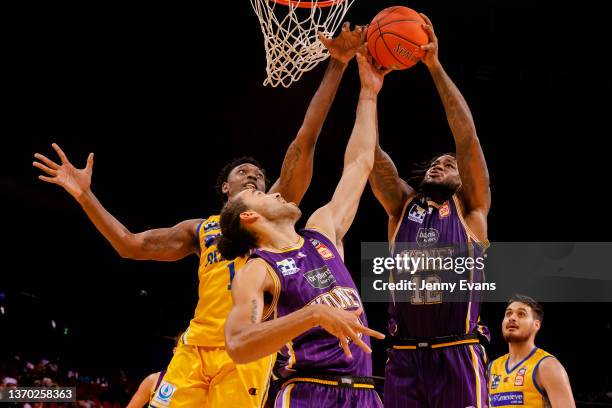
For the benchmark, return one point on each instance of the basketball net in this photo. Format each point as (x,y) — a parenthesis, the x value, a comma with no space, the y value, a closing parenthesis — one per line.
(290,31)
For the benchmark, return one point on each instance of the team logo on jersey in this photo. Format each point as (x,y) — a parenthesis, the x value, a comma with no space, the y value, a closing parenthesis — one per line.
(496,379)
(427,236)
(444,211)
(287,267)
(417,213)
(164,394)
(520,377)
(322,249)
(320,278)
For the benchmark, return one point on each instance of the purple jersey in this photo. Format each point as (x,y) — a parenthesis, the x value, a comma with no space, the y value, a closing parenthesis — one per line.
(313,272)
(436,230)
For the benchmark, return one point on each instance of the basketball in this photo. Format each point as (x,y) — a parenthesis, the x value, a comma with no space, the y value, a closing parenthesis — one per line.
(394,37)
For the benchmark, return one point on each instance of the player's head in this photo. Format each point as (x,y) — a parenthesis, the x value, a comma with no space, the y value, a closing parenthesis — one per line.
(522,319)
(240,174)
(248,216)
(441,176)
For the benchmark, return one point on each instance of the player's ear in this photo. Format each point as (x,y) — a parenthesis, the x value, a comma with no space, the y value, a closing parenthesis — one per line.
(248,216)
(537,324)
(225,187)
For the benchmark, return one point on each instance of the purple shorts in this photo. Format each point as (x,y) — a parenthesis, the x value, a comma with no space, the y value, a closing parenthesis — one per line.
(308,395)
(448,377)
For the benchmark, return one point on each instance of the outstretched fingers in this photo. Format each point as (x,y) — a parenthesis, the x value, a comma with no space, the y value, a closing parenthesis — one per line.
(51,180)
(60,153)
(50,163)
(49,171)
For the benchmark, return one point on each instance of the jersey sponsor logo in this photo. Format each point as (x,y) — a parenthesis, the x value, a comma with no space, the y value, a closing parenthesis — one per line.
(287,267)
(301,255)
(427,236)
(519,380)
(504,399)
(322,249)
(444,211)
(417,213)
(495,380)
(164,394)
(320,278)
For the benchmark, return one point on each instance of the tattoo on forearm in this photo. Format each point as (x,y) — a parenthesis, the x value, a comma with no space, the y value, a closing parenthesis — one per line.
(291,159)
(384,178)
(253,311)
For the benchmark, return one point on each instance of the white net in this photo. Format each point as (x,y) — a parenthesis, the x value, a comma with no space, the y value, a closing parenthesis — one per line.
(290,35)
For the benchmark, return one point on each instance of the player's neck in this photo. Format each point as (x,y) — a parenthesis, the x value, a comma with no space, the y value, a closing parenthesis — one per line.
(518,351)
(279,235)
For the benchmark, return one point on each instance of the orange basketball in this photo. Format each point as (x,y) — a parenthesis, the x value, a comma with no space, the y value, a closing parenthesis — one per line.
(394,37)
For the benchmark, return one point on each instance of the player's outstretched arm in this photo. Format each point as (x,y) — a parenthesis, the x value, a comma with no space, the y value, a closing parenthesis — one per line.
(296,172)
(336,217)
(390,190)
(553,379)
(143,393)
(475,193)
(163,244)
(247,338)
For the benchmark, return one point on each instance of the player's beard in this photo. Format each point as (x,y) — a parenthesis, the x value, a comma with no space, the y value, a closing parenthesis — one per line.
(437,190)
(516,338)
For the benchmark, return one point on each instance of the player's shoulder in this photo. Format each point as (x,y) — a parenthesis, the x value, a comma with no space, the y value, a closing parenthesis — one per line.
(499,360)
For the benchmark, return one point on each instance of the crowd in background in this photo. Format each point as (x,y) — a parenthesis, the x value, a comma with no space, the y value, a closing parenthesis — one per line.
(92,391)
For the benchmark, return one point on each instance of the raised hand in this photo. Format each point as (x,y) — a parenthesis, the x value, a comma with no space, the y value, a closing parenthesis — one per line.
(346,326)
(372,77)
(346,44)
(431,50)
(75,181)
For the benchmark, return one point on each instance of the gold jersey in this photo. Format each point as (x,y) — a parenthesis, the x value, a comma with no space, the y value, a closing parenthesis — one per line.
(512,386)
(214,289)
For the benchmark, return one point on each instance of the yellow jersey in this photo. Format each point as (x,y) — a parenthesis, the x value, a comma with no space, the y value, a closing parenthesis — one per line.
(517,386)
(215,275)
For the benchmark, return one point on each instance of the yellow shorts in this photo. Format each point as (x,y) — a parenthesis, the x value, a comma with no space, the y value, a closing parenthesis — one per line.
(207,377)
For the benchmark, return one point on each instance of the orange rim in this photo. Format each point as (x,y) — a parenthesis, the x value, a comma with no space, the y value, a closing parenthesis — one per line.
(308,4)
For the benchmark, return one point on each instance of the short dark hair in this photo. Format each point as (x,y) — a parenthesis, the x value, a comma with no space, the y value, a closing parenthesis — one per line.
(537,308)
(227,169)
(235,240)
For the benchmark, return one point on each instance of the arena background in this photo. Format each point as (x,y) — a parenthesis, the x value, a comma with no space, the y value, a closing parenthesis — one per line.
(166,95)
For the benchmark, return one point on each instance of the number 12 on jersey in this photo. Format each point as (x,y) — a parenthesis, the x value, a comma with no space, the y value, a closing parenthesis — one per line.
(424,296)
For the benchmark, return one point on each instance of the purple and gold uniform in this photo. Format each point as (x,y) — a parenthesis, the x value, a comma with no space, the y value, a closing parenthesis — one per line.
(318,374)
(436,359)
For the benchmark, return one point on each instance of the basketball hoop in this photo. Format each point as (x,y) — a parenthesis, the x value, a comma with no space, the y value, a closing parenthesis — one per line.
(290,31)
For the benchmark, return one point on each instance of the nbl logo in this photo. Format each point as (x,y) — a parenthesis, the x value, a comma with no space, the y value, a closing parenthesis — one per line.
(164,393)
(287,267)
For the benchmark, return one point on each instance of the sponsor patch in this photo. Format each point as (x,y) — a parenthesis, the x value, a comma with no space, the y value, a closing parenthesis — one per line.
(417,213)
(287,267)
(164,394)
(495,380)
(322,249)
(320,278)
(427,236)
(301,255)
(444,211)
(504,399)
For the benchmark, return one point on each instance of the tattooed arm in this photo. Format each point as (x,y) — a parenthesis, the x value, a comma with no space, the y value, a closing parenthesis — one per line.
(390,190)
(474,193)
(296,172)
(247,338)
